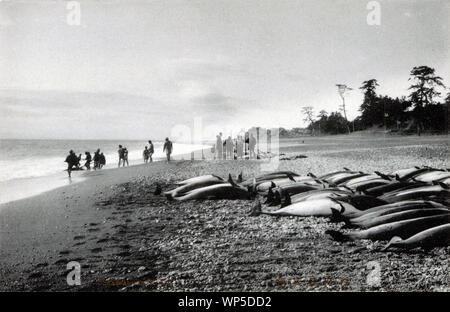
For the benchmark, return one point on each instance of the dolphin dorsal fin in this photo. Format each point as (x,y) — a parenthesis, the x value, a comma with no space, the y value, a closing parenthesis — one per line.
(290,177)
(230,180)
(239,178)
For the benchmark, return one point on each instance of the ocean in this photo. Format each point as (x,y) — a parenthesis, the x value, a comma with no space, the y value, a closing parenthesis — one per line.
(28,162)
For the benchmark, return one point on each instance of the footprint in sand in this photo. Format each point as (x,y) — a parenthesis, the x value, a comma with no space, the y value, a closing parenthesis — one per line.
(103,240)
(94,230)
(64,252)
(78,237)
(96,250)
(79,244)
(93,224)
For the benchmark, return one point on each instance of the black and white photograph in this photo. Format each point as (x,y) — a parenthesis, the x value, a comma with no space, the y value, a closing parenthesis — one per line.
(224,146)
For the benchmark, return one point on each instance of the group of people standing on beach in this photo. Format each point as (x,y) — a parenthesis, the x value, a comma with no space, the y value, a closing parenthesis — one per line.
(74,162)
(238,148)
(150,149)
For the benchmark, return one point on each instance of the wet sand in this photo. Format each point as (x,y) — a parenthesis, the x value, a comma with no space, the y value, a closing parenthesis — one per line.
(126,238)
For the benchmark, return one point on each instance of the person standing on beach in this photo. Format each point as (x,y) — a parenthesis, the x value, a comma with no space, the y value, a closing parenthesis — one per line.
(72,161)
(145,154)
(96,159)
(102,160)
(151,150)
(125,156)
(219,146)
(120,152)
(168,148)
(88,160)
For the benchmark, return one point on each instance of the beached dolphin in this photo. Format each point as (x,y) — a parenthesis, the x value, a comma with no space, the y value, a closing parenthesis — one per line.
(405,174)
(344,177)
(270,176)
(363,185)
(386,209)
(264,186)
(208,177)
(441,190)
(391,187)
(331,174)
(355,181)
(432,176)
(437,236)
(398,216)
(315,194)
(228,190)
(309,208)
(275,195)
(185,188)
(404,228)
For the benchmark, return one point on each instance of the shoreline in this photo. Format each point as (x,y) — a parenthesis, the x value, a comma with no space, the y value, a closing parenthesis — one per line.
(125,238)
(21,188)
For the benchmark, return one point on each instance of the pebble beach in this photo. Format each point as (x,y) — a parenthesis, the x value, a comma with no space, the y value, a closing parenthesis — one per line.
(128,239)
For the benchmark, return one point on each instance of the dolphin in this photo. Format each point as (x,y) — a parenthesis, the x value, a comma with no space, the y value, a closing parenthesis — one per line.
(441,190)
(316,194)
(185,188)
(355,181)
(208,177)
(217,191)
(349,177)
(433,237)
(391,187)
(432,176)
(406,174)
(269,177)
(404,228)
(363,185)
(331,174)
(310,208)
(398,216)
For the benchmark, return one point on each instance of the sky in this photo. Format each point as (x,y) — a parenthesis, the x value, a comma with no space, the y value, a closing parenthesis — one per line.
(148,69)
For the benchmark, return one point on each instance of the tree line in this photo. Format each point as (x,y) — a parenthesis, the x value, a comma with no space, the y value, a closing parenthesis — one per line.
(418,112)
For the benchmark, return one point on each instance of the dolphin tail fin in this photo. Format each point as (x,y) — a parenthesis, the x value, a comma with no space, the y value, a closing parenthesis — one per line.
(270,196)
(256,209)
(444,186)
(239,178)
(312,175)
(336,216)
(393,240)
(346,169)
(169,195)
(337,236)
